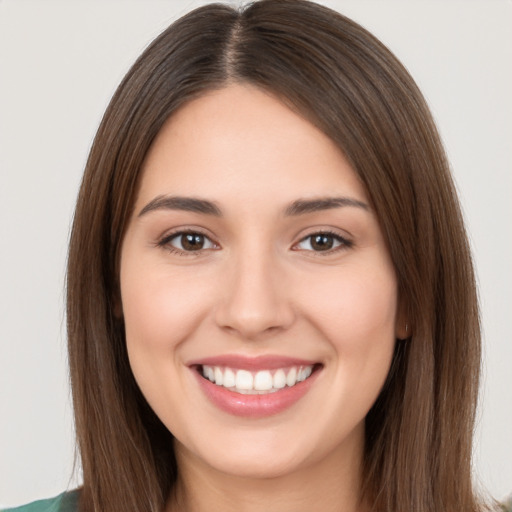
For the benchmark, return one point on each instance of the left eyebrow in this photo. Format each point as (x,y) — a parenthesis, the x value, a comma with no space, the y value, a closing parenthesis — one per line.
(304,206)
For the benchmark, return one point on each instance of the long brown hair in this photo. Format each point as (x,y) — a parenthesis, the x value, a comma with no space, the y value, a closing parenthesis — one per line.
(342,79)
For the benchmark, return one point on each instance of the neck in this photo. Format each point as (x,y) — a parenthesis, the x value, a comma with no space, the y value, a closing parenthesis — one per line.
(331,484)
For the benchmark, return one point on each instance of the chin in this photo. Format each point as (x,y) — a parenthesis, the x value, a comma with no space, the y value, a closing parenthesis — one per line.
(262,467)
(260,457)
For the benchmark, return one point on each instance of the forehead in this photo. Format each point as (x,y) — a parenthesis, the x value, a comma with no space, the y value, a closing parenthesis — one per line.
(240,141)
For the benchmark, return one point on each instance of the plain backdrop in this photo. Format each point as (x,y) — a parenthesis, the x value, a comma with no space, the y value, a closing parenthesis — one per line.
(60,62)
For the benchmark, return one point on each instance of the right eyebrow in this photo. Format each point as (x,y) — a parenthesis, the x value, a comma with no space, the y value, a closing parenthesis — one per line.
(189,204)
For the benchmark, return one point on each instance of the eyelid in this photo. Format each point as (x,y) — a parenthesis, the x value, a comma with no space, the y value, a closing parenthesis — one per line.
(345,242)
(164,241)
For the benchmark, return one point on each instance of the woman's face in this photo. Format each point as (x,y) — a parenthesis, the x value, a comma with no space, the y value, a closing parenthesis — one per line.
(254,260)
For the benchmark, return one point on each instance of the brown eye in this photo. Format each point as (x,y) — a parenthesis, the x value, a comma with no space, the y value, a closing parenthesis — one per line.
(323,242)
(188,242)
(192,241)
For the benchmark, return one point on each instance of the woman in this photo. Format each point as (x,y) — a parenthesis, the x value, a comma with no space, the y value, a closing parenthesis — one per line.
(267,208)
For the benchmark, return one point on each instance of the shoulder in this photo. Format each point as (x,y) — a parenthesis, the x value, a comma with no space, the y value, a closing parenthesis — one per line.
(65,502)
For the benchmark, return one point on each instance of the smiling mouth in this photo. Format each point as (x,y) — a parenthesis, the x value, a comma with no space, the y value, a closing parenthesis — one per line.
(261,382)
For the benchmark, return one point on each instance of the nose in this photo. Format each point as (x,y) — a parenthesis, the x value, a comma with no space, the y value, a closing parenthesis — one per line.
(256,301)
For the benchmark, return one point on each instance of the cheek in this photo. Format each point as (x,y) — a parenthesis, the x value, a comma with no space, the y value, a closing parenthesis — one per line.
(161,310)
(356,315)
(355,308)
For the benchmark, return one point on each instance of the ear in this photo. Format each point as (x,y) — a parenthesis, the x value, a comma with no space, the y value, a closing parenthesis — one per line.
(402,324)
(402,331)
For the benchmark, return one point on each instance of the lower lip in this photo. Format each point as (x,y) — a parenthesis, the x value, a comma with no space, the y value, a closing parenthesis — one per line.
(255,406)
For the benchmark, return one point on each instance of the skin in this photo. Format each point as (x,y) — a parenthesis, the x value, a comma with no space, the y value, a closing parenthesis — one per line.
(258,287)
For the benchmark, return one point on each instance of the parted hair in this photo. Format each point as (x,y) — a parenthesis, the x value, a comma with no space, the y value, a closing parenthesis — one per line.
(342,79)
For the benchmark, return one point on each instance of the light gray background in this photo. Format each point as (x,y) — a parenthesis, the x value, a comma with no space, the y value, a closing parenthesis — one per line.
(60,62)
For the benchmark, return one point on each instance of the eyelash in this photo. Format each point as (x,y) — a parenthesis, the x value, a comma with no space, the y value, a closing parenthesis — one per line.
(344,243)
(165,242)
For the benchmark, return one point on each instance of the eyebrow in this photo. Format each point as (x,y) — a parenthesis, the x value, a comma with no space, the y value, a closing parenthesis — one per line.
(188,204)
(303,206)
(206,207)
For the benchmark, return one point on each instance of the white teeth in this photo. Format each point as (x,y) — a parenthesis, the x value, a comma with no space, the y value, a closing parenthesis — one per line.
(291,378)
(303,374)
(279,379)
(261,382)
(244,380)
(218,376)
(229,378)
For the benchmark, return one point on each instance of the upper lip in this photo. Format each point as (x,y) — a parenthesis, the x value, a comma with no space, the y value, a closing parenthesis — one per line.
(265,362)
